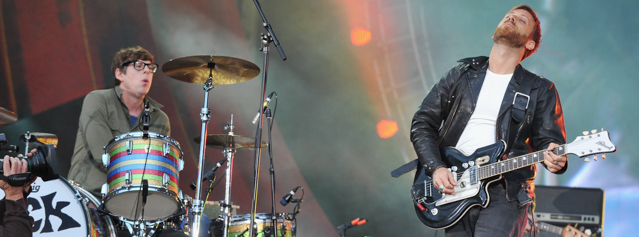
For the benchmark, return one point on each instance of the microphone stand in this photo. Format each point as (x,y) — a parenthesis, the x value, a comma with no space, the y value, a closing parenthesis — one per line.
(266,41)
(268,115)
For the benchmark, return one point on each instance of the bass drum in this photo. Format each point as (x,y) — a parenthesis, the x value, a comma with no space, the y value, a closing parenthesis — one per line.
(61,208)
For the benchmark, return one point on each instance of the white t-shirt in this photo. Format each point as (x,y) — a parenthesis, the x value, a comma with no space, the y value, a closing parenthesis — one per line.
(480,130)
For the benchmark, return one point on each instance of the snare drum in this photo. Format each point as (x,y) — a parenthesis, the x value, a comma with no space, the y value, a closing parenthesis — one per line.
(130,158)
(59,208)
(240,224)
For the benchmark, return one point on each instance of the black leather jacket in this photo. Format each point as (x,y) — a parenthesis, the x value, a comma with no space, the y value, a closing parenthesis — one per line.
(444,113)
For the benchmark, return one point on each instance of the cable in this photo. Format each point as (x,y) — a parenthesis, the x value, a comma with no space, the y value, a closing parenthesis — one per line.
(146,159)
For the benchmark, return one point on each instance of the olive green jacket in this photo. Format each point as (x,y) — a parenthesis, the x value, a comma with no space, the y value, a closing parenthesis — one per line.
(105,116)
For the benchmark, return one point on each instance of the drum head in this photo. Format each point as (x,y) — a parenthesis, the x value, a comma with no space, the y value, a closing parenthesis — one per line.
(127,203)
(56,210)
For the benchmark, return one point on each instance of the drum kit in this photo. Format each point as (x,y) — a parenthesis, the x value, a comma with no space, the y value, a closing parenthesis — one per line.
(141,195)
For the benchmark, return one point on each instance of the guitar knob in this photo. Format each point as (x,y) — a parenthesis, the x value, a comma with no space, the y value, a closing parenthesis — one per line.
(465,165)
(588,232)
(434,211)
(454,168)
(471,163)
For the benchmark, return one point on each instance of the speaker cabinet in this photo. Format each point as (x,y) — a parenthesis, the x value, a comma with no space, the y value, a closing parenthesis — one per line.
(582,208)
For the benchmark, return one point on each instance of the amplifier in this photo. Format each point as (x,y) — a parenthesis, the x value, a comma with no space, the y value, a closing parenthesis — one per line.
(582,208)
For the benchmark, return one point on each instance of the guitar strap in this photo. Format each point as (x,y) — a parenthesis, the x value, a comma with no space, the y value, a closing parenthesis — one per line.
(520,104)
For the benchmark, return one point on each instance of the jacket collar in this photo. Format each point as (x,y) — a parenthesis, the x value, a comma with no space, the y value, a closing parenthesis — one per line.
(480,63)
(152,103)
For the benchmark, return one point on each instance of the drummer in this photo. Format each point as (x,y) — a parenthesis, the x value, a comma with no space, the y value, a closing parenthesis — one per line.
(107,113)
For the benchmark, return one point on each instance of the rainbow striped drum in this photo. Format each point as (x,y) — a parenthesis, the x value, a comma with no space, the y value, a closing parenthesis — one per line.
(130,158)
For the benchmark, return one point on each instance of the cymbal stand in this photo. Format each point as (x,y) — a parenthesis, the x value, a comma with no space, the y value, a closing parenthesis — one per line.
(205,115)
(266,41)
(229,153)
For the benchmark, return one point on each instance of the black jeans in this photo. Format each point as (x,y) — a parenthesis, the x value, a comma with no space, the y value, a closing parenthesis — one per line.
(499,218)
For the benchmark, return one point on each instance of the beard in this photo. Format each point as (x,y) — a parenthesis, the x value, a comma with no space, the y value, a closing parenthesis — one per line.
(509,37)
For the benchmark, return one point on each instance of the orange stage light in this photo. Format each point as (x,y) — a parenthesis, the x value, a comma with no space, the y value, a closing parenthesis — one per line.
(386,128)
(360,36)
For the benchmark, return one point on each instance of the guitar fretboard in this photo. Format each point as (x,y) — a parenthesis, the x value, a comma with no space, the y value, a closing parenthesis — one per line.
(515,163)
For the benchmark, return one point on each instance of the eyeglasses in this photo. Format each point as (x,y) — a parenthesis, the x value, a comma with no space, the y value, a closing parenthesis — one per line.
(139,65)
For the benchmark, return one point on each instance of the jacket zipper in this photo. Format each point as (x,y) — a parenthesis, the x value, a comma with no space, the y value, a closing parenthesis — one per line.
(450,121)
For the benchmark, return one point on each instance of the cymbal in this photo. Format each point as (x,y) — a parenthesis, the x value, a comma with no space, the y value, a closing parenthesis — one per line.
(195,69)
(6,116)
(222,141)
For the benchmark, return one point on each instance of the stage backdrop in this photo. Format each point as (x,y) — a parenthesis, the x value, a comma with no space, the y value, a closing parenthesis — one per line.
(351,64)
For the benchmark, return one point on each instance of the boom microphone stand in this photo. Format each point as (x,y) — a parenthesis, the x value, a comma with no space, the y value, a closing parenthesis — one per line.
(266,41)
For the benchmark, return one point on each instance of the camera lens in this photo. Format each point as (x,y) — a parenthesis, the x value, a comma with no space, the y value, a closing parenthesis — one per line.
(43,163)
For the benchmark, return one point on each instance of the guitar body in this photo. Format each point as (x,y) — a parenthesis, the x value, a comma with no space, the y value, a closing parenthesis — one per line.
(443,211)
(475,172)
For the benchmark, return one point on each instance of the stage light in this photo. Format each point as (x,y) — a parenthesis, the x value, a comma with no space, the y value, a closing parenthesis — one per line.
(386,128)
(360,36)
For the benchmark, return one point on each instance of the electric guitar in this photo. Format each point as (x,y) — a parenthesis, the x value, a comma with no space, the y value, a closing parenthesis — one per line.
(475,172)
(567,231)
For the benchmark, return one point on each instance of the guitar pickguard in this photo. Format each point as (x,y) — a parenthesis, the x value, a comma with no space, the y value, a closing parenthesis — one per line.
(465,188)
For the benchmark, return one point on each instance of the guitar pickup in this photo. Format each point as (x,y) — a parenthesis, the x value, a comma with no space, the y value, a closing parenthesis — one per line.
(472,171)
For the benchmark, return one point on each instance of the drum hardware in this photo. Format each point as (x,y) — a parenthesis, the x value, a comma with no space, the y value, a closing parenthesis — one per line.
(266,40)
(221,71)
(229,143)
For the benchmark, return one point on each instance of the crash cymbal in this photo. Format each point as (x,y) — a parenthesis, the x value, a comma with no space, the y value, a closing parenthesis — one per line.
(6,116)
(196,69)
(222,141)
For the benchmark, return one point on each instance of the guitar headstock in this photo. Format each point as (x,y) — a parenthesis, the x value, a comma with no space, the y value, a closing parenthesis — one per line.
(591,144)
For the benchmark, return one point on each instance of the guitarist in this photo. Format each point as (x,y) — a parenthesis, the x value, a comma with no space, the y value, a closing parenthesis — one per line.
(486,99)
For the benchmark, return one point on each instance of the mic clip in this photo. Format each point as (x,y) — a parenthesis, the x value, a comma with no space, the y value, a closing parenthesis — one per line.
(146,120)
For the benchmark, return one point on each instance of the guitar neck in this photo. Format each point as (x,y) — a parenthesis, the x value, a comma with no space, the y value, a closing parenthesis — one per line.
(514,163)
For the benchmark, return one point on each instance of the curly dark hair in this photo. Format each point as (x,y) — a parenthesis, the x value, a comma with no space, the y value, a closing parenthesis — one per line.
(128,54)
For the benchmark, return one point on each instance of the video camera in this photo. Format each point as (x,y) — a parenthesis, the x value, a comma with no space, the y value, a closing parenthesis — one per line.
(43,164)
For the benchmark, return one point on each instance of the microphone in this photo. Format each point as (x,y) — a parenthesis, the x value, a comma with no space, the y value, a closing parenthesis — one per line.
(145,191)
(209,173)
(146,120)
(287,198)
(266,102)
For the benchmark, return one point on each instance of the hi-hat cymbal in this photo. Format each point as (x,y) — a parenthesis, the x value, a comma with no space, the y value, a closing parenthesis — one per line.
(6,116)
(222,141)
(196,69)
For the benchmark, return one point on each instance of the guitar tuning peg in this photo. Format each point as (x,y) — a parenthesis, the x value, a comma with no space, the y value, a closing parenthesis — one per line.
(587,159)
(593,131)
(603,156)
(585,133)
(602,129)
(595,156)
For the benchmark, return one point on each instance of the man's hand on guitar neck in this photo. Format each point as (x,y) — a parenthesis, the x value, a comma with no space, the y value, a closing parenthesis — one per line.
(554,162)
(444,178)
